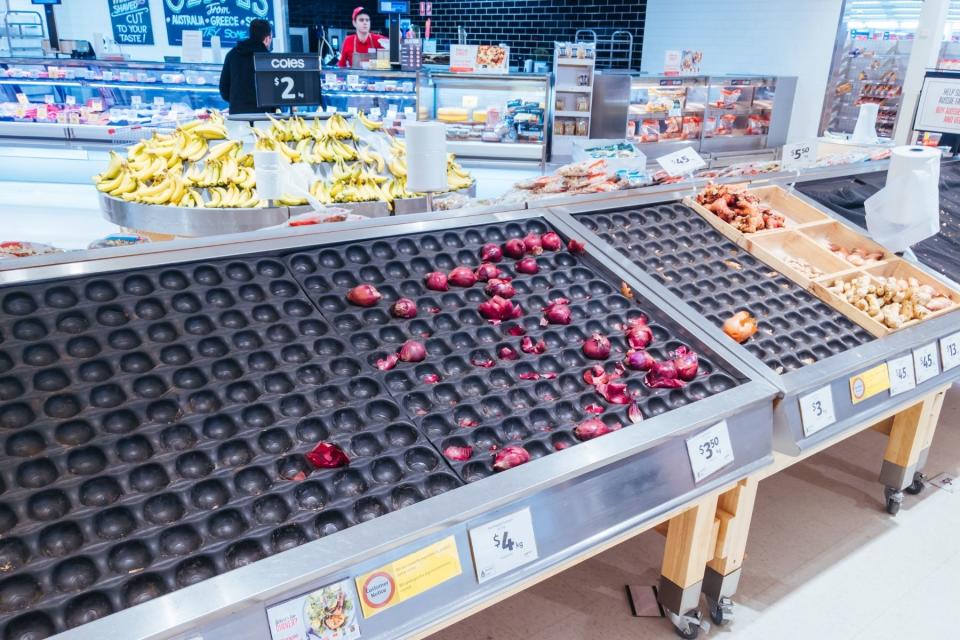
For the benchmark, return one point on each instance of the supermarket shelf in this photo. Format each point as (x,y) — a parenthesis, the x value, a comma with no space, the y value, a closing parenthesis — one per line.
(572,89)
(498,150)
(571,114)
(351,94)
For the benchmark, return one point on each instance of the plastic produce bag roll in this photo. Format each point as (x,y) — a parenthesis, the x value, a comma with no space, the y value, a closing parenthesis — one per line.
(865,131)
(426,156)
(907,209)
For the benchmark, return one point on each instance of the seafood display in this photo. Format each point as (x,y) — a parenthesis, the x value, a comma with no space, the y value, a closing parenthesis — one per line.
(889,300)
(743,210)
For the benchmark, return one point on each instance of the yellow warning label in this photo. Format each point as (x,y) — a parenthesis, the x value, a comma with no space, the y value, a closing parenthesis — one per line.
(869,383)
(408,576)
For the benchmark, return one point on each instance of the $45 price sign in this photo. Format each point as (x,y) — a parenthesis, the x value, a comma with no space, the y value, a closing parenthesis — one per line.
(503,545)
(710,451)
(682,162)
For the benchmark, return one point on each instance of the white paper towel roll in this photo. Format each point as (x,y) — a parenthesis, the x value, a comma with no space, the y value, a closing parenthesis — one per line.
(426,156)
(266,168)
(865,130)
(907,209)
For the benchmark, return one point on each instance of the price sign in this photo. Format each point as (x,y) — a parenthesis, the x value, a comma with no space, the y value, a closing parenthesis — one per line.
(48,99)
(902,378)
(408,111)
(353,79)
(330,78)
(503,545)
(22,99)
(682,162)
(42,112)
(816,410)
(71,100)
(469,102)
(375,112)
(136,101)
(950,351)
(798,155)
(352,111)
(158,101)
(284,80)
(926,362)
(96,104)
(330,109)
(710,451)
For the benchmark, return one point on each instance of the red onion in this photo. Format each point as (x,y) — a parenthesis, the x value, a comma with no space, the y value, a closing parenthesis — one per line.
(532,243)
(437,281)
(560,445)
(639,360)
(551,241)
(665,369)
(364,295)
(385,364)
(614,393)
(487,271)
(499,287)
(458,454)
(528,266)
(468,423)
(497,309)
(462,277)
(527,345)
(431,378)
(686,362)
(639,335)
(404,308)
(634,413)
(516,330)
(327,456)
(508,353)
(413,351)
(593,408)
(664,375)
(557,312)
(490,252)
(548,375)
(575,246)
(510,457)
(513,248)
(529,375)
(597,347)
(486,363)
(590,429)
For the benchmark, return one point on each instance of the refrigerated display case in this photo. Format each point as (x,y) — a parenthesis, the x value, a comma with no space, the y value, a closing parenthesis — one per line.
(666,113)
(375,92)
(95,100)
(489,115)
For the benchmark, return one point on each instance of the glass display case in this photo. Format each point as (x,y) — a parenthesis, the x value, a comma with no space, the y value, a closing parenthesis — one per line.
(489,115)
(666,112)
(95,100)
(381,94)
(739,113)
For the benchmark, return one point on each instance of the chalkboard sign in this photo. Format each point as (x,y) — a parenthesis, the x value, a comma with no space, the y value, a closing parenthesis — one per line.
(131,21)
(287,80)
(229,19)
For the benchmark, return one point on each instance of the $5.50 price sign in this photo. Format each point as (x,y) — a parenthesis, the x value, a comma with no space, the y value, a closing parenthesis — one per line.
(285,80)
(682,162)
(503,545)
(709,451)
(798,155)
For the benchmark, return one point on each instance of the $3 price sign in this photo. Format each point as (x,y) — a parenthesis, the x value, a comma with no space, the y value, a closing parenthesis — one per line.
(503,545)
(710,451)
(816,410)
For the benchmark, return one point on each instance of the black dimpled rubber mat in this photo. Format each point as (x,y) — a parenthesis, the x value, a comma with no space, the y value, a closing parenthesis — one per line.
(534,401)
(716,278)
(154,425)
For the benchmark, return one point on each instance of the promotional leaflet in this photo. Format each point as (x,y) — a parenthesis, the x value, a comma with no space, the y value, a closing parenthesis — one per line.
(229,19)
(329,613)
(131,21)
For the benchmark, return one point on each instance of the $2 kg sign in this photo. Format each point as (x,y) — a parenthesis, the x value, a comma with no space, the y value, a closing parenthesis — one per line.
(503,545)
(287,80)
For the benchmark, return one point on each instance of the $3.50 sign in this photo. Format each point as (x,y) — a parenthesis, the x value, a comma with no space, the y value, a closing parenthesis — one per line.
(710,451)
(503,545)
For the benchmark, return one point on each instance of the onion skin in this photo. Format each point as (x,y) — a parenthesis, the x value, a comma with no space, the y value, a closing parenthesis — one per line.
(741,326)
(557,312)
(436,281)
(404,308)
(508,353)
(597,347)
(551,241)
(509,457)
(458,454)
(364,295)
(527,345)
(491,252)
(634,413)
(514,248)
(576,247)
(614,392)
(529,375)
(327,456)
(639,334)
(497,309)
(412,351)
(462,277)
(516,330)
(385,364)
(431,378)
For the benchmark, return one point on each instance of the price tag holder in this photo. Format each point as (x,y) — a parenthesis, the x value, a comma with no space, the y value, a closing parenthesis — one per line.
(330,78)
(926,362)
(709,451)
(682,162)
(330,109)
(469,102)
(42,112)
(48,99)
(22,99)
(799,155)
(503,545)
(136,101)
(286,79)
(352,111)
(158,101)
(375,112)
(902,378)
(816,410)
(950,351)
(392,115)
(71,100)
(96,104)
(353,79)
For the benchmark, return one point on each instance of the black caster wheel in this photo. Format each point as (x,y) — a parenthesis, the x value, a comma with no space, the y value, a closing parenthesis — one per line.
(918,484)
(894,498)
(692,632)
(716,614)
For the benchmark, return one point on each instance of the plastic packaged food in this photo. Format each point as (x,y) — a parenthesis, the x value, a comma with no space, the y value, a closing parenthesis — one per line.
(631,128)
(558,127)
(569,128)
(726,123)
(650,131)
(755,125)
(16,249)
(560,104)
(583,104)
(118,240)
(691,127)
(581,127)
(710,126)
(673,128)
(729,96)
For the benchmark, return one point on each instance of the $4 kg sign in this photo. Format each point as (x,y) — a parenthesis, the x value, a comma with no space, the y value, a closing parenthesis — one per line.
(503,545)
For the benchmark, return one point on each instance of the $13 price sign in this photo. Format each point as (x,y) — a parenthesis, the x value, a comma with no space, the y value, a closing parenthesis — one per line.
(950,351)
(503,545)
(682,162)
(710,451)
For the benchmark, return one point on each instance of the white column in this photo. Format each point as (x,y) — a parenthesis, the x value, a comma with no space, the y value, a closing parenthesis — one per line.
(923,56)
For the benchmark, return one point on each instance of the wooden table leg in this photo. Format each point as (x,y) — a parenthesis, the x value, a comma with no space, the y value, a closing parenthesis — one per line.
(734,513)
(691,539)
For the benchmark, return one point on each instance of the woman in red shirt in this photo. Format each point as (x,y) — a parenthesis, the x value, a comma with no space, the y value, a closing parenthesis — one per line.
(361,42)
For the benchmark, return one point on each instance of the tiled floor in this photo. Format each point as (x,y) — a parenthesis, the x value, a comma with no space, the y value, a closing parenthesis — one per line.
(823,561)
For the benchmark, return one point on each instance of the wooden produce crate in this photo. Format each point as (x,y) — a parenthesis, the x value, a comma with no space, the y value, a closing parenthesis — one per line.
(787,250)
(840,235)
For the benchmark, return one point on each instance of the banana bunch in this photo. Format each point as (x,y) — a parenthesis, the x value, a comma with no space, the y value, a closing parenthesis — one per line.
(349,192)
(320,191)
(213,128)
(368,156)
(371,125)
(398,167)
(233,197)
(190,147)
(338,127)
(163,190)
(457,177)
(267,142)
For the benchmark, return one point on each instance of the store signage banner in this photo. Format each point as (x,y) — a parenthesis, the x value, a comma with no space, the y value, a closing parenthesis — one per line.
(939,108)
(229,19)
(484,58)
(131,21)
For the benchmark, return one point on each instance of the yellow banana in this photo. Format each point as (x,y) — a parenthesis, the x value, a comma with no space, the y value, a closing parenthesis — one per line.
(222,149)
(368,123)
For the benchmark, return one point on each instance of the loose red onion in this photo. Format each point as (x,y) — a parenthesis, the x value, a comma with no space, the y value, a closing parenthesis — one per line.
(686,362)
(639,360)
(664,375)
(639,336)
(508,353)
(486,363)
(431,378)
(529,375)
(597,347)
(560,445)
(462,277)
(614,393)
(513,248)
(404,308)
(499,287)
(509,457)
(413,351)
(527,265)
(634,413)
(487,271)
(557,312)
(458,454)
(385,364)
(527,345)
(497,309)
(575,246)
(593,408)
(590,429)
(551,241)
(665,369)
(327,456)
(516,330)
(437,281)
(490,252)
(364,295)
(532,243)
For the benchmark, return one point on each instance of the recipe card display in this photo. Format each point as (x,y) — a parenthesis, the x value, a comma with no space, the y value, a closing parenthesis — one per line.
(329,613)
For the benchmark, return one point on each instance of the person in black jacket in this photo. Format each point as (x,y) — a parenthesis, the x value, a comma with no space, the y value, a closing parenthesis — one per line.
(237,84)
